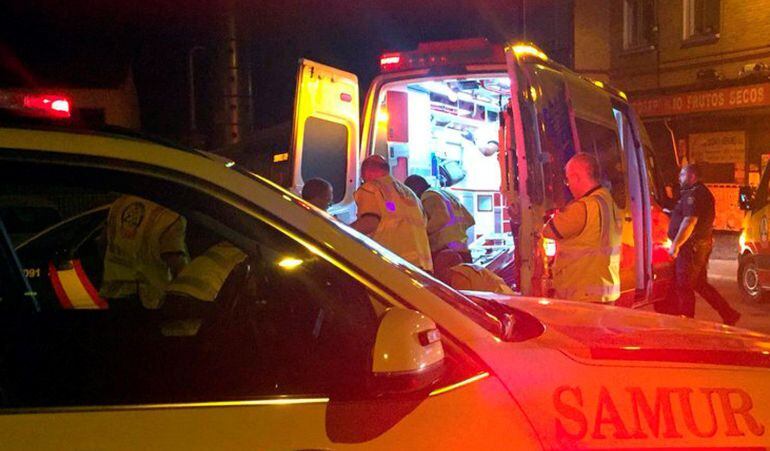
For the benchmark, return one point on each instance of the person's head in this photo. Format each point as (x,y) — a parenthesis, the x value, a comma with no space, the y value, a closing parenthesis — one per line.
(443,262)
(318,192)
(417,184)
(582,173)
(689,175)
(374,167)
(489,149)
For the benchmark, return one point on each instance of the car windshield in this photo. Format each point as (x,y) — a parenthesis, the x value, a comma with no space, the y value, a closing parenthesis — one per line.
(485,317)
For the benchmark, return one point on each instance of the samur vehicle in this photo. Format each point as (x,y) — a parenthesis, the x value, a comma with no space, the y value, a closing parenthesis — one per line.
(321,339)
(754,248)
(496,126)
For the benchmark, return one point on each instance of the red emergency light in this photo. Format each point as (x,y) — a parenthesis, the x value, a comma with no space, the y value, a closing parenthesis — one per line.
(53,106)
(443,53)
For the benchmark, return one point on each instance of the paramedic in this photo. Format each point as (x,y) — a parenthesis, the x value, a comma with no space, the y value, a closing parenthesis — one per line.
(587,232)
(450,269)
(145,250)
(690,232)
(448,219)
(391,214)
(318,192)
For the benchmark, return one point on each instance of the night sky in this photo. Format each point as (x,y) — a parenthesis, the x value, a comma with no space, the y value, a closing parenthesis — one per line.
(81,43)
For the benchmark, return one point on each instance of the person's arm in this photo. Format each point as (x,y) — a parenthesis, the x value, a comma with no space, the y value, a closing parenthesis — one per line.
(566,223)
(173,249)
(366,224)
(368,210)
(437,212)
(686,228)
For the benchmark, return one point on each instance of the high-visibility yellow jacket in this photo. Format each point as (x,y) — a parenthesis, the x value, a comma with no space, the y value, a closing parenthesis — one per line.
(206,274)
(402,226)
(201,280)
(468,276)
(448,220)
(588,239)
(139,232)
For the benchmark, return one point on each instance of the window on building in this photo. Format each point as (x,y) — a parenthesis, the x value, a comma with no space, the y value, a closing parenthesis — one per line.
(701,19)
(638,24)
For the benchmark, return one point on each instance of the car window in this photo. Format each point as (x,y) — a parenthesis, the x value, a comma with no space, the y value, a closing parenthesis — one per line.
(252,313)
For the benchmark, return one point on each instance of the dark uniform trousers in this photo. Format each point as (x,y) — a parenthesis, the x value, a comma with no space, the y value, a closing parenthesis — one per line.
(692,276)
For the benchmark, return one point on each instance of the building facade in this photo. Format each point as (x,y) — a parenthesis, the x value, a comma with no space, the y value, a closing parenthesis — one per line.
(698,73)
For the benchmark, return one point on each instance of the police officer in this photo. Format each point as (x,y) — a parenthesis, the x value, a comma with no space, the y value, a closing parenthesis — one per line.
(391,214)
(448,219)
(318,192)
(587,232)
(450,269)
(690,232)
(145,250)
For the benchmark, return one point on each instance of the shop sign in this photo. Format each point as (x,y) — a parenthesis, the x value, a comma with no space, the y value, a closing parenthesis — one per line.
(718,147)
(750,96)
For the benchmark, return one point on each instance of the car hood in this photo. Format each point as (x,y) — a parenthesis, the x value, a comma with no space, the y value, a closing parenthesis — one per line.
(611,377)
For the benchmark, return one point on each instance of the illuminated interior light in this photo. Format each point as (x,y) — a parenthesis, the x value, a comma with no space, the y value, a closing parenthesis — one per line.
(229,164)
(290,263)
(528,50)
(598,83)
(533,93)
(623,95)
(470,380)
(281,157)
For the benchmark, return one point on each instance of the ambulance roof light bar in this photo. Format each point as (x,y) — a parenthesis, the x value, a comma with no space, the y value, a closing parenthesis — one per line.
(443,53)
(522,49)
(40,105)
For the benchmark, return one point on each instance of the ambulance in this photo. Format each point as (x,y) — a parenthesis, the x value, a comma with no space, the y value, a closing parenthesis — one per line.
(495,125)
(320,338)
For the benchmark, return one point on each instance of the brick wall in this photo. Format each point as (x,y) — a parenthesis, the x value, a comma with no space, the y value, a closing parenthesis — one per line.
(744,38)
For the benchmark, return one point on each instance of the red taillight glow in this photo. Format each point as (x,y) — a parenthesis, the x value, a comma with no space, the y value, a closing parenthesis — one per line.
(390,60)
(49,105)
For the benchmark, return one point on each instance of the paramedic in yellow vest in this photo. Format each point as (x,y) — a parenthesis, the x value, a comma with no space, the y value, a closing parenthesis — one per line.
(145,250)
(587,232)
(391,214)
(448,219)
(191,295)
(450,269)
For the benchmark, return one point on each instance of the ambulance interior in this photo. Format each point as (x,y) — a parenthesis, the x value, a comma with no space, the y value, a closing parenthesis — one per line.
(447,131)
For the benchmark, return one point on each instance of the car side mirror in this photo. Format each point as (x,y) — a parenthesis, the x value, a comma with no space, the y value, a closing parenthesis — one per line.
(745,197)
(408,354)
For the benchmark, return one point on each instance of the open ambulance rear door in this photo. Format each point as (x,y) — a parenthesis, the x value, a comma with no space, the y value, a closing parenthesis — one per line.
(325,134)
(555,114)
